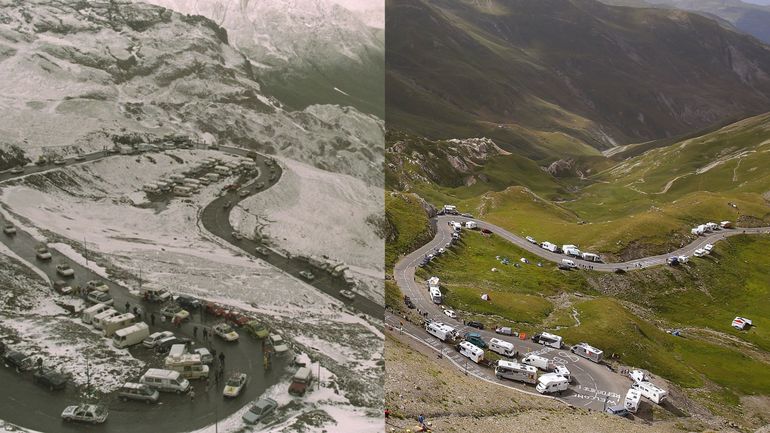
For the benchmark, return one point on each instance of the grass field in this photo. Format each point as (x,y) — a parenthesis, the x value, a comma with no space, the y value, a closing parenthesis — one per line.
(408,223)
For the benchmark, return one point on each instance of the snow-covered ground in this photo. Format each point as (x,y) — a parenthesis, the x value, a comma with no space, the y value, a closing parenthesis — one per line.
(316,213)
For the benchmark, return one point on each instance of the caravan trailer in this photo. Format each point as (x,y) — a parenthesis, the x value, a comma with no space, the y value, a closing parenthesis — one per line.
(90,312)
(633,396)
(650,391)
(131,335)
(470,351)
(111,325)
(501,347)
(550,247)
(99,319)
(441,331)
(587,351)
(435,295)
(513,370)
(471,225)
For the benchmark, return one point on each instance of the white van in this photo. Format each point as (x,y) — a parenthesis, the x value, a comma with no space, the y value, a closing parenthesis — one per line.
(189,364)
(98,320)
(435,295)
(90,312)
(470,351)
(441,331)
(568,263)
(131,335)
(512,370)
(551,383)
(633,396)
(652,392)
(538,361)
(548,339)
(587,351)
(502,347)
(163,185)
(591,257)
(471,225)
(114,323)
(572,250)
(165,380)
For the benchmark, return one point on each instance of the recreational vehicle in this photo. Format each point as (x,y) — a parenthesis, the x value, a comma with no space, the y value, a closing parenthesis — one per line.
(633,396)
(163,186)
(568,263)
(547,339)
(591,257)
(563,372)
(538,361)
(182,191)
(189,364)
(433,281)
(456,226)
(449,209)
(471,225)
(151,188)
(551,383)
(111,325)
(550,247)
(213,177)
(441,331)
(435,295)
(650,391)
(571,250)
(177,178)
(90,312)
(502,347)
(99,319)
(713,226)
(222,170)
(165,380)
(131,335)
(470,351)
(512,370)
(587,351)
(700,252)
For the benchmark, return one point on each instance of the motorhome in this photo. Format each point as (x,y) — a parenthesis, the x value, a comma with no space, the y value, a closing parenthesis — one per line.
(571,250)
(152,188)
(435,295)
(633,396)
(182,191)
(538,361)
(165,380)
(513,370)
(697,231)
(177,178)
(433,281)
(591,257)
(221,169)
(504,330)
(114,323)
(550,247)
(441,331)
(470,351)
(551,383)
(449,209)
(90,312)
(163,185)
(192,183)
(99,319)
(471,225)
(204,180)
(131,335)
(548,339)
(713,226)
(213,177)
(456,226)
(568,263)
(700,252)
(189,364)
(563,372)
(587,351)
(502,347)
(650,391)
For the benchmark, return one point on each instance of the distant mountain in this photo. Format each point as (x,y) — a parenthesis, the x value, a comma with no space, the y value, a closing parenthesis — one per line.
(547,78)
(306,51)
(752,18)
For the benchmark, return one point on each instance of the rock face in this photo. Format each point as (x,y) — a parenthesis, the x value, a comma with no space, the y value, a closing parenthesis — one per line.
(77,73)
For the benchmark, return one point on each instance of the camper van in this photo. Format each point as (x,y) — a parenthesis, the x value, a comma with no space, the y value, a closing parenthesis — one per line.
(213,177)
(177,178)
(538,361)
(163,186)
(221,169)
(189,364)
(568,263)
(502,347)
(182,191)
(471,225)
(99,319)
(633,396)
(111,325)
(547,339)
(713,226)
(571,250)
(550,247)
(587,351)
(512,370)
(90,312)
(165,380)
(470,351)
(456,226)
(151,188)
(435,295)
(551,383)
(700,252)
(131,335)
(652,392)
(563,372)
(591,257)
(441,331)
(433,281)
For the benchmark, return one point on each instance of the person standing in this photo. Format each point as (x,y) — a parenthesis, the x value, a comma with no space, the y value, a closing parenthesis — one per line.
(222,358)
(192,393)
(152,319)
(195,332)
(205,334)
(128,307)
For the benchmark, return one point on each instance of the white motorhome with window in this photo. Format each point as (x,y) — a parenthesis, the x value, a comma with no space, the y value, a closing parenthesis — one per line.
(548,339)
(551,383)
(441,331)
(189,364)
(433,281)
(90,312)
(538,361)
(571,250)
(456,226)
(713,226)
(112,324)
(652,392)
(165,380)
(131,335)
(471,225)
(182,191)
(550,247)
(591,257)
(151,188)
(163,185)
(470,351)
(177,178)
(587,351)
(98,320)
(563,372)
(221,169)
(568,263)
(502,347)
(512,370)
(633,396)
(435,295)
(213,177)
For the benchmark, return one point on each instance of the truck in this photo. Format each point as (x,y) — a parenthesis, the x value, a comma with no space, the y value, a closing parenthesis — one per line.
(587,351)
(551,383)
(435,295)
(548,339)
(650,391)
(538,361)
(111,325)
(441,331)
(501,347)
(470,351)
(131,335)
(633,396)
(513,370)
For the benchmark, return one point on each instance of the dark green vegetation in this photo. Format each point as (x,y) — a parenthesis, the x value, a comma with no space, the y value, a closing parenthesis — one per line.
(407,226)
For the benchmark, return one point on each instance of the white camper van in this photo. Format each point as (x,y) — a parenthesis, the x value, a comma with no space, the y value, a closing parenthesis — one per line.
(433,281)
(563,372)
(90,312)
(568,263)
(548,339)
(471,225)
(512,370)
(538,361)
(435,295)
(131,335)
(591,257)
(222,170)
(114,323)
(633,396)
(470,351)
(550,247)
(98,320)
(571,250)
(189,364)
(165,380)
(502,347)
(212,177)
(151,188)
(441,331)
(587,351)
(177,178)
(551,383)
(650,391)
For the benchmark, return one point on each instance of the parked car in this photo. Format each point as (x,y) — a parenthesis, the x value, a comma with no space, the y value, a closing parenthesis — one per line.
(225,332)
(174,312)
(153,339)
(98,297)
(59,161)
(188,302)
(65,270)
(262,251)
(450,313)
(256,329)
(307,275)
(9,230)
(474,324)
(18,361)
(163,346)
(206,356)
(235,384)
(259,185)
(42,253)
(243,193)
(139,392)
(61,286)
(97,285)
(80,158)
(347,294)
(17,170)
(279,346)
(51,379)
(95,414)
(260,410)
(409,304)
(619,410)
(237,236)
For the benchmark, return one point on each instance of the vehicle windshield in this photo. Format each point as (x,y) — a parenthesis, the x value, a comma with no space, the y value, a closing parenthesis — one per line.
(234,381)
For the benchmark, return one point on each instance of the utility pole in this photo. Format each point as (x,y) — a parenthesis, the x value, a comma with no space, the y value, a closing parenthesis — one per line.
(85,247)
(319,374)
(140,278)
